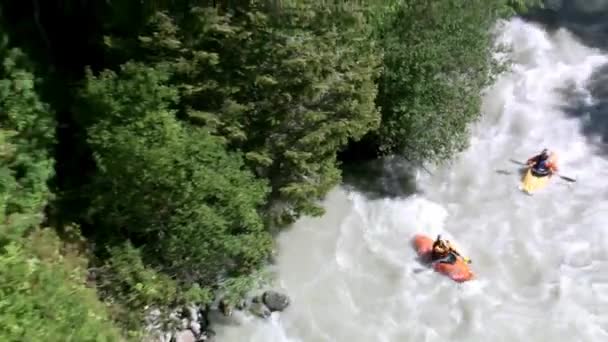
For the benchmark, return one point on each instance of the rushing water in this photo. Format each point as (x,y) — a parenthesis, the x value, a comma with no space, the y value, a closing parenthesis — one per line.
(541,261)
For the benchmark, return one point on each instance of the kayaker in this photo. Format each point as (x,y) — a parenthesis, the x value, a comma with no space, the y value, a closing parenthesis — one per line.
(443,251)
(543,164)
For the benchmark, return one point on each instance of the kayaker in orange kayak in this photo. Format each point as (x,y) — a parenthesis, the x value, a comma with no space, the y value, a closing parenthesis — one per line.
(543,164)
(443,257)
(444,252)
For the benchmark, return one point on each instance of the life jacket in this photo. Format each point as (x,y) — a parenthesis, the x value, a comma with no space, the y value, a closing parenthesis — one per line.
(450,258)
(542,165)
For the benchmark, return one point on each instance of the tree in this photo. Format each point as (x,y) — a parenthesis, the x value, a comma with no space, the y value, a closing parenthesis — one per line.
(289,90)
(437,60)
(186,204)
(26,137)
(42,299)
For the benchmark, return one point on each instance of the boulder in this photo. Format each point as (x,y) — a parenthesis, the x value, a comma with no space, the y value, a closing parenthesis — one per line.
(185,336)
(195,326)
(193,313)
(184,324)
(275,301)
(259,309)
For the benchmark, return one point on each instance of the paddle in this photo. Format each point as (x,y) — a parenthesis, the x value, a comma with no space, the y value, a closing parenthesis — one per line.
(560,176)
(465,259)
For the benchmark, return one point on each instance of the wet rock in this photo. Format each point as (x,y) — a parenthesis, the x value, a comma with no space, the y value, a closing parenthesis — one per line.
(193,313)
(275,301)
(159,337)
(242,305)
(185,336)
(184,324)
(195,326)
(174,318)
(225,308)
(153,320)
(259,309)
(207,336)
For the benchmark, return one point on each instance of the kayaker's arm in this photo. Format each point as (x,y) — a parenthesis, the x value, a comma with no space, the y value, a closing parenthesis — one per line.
(452,249)
(467,260)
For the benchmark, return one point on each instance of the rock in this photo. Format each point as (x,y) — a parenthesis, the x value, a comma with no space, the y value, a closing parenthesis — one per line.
(241,305)
(159,337)
(206,337)
(185,336)
(259,309)
(225,308)
(185,324)
(193,313)
(195,327)
(203,316)
(275,301)
(188,323)
(174,318)
(153,320)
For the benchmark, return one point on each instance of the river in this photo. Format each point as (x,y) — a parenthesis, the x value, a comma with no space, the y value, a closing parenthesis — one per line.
(541,261)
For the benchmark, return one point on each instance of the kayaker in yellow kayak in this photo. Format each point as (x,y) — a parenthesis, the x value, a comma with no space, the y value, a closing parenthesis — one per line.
(543,164)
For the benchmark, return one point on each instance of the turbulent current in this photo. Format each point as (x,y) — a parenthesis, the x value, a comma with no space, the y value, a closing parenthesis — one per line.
(541,261)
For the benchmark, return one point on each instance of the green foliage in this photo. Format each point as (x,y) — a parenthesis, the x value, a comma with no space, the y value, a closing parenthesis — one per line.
(233,290)
(522,6)
(289,90)
(26,138)
(41,290)
(437,61)
(130,286)
(187,205)
(44,301)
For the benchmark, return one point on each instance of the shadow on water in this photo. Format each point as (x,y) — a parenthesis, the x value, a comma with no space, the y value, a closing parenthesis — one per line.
(588,21)
(390,177)
(593,114)
(521,171)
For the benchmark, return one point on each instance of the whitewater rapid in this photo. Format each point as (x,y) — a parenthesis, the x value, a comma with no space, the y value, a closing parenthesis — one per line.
(541,261)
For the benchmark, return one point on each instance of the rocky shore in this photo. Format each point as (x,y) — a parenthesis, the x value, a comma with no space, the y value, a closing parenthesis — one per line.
(192,324)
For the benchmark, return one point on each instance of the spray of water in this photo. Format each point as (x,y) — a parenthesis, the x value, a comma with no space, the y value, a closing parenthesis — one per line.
(541,261)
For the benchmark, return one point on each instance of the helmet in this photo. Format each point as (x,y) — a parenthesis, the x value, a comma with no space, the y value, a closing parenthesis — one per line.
(544,153)
(441,244)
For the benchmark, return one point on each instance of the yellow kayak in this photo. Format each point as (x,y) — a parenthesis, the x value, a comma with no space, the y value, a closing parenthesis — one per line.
(531,183)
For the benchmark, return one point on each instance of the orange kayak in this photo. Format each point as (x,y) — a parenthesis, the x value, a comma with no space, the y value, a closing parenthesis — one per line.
(459,271)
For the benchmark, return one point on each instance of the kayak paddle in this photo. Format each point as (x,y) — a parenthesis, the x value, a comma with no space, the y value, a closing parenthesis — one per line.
(560,176)
(517,162)
(567,178)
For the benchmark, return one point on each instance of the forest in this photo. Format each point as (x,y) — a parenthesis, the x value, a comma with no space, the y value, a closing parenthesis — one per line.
(151,151)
